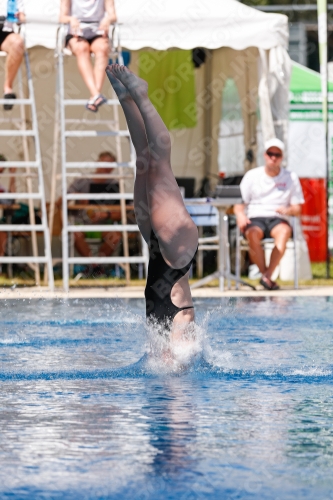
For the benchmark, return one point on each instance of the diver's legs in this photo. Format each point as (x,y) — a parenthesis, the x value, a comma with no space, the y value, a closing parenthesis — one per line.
(137,131)
(173,226)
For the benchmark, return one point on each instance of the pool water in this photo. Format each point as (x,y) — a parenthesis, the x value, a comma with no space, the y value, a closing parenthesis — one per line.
(85,415)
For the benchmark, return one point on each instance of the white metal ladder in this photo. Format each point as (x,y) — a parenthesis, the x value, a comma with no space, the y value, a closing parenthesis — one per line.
(69,169)
(29,170)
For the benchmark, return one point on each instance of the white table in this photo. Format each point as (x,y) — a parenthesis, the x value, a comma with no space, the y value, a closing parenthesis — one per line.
(221,204)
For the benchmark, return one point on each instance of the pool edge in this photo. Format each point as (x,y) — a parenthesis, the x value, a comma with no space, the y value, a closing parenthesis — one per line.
(138,293)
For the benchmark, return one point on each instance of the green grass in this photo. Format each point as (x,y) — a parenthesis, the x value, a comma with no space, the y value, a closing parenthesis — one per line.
(319,270)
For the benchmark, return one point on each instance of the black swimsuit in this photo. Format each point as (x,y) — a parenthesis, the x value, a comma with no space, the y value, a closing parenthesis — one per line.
(160,281)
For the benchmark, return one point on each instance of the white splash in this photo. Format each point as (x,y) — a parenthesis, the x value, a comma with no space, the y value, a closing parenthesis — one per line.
(312,372)
(166,354)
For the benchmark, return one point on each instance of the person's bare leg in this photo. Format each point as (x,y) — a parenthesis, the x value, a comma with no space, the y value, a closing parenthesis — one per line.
(81,49)
(14,47)
(281,234)
(110,243)
(254,235)
(81,245)
(137,131)
(100,47)
(3,243)
(176,232)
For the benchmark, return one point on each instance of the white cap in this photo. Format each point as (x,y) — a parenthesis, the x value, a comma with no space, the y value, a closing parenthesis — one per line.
(275,142)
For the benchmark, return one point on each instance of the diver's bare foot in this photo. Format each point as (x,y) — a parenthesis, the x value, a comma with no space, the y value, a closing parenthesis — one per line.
(137,87)
(121,91)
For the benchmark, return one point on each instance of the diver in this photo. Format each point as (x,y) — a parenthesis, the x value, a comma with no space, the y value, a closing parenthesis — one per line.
(160,212)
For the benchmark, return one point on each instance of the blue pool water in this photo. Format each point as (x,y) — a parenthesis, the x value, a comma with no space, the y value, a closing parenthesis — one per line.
(84,414)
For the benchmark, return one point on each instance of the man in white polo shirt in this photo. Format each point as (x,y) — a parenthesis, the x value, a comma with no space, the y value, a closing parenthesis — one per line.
(271,195)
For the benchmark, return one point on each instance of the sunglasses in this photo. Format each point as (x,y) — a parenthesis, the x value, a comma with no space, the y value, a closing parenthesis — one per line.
(271,154)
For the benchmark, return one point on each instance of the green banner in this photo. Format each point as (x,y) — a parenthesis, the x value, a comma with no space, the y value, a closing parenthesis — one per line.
(171,85)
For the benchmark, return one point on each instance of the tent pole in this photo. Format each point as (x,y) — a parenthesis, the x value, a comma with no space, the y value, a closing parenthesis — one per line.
(327,159)
(327,190)
(208,114)
(323,53)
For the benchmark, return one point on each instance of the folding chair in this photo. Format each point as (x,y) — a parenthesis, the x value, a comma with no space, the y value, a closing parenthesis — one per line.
(242,245)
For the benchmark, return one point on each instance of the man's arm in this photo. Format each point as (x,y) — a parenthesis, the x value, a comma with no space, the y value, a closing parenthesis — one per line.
(109,18)
(294,210)
(240,209)
(296,199)
(242,218)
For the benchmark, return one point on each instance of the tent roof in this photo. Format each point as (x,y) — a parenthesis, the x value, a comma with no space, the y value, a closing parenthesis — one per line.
(183,24)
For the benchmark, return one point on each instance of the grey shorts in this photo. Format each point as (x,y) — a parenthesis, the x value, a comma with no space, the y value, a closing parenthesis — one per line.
(266,224)
(89,40)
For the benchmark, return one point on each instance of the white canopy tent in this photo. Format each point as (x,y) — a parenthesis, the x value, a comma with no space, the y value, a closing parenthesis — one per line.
(241,44)
(182,24)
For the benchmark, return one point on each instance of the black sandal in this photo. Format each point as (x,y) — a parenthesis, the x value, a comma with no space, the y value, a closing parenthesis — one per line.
(268,283)
(10,95)
(94,103)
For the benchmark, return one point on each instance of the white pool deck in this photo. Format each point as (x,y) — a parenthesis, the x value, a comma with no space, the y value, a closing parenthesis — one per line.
(137,292)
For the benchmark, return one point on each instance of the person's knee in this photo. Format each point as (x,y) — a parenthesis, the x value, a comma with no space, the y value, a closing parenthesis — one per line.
(288,231)
(81,49)
(158,168)
(79,236)
(116,238)
(100,47)
(15,45)
(254,234)
(163,141)
(102,51)
(281,235)
(153,164)
(142,163)
(112,239)
(19,44)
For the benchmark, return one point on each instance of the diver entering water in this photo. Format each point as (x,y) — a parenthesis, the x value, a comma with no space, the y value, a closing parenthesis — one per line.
(159,208)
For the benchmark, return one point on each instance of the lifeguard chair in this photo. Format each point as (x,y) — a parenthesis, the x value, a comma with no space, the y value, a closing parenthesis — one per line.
(69,169)
(25,126)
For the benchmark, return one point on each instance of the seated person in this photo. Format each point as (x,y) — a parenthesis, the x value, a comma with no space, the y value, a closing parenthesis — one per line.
(12,43)
(89,23)
(271,194)
(92,216)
